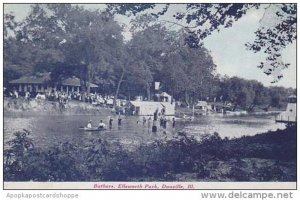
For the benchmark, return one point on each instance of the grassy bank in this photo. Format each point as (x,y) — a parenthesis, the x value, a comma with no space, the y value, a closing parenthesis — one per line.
(264,157)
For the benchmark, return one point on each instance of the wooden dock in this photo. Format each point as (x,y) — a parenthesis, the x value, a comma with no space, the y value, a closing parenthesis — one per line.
(286,119)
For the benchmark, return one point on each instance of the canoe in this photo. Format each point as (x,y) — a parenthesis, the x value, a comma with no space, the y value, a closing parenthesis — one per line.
(92,129)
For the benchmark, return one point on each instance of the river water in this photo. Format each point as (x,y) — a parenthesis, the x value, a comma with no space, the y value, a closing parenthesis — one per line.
(49,130)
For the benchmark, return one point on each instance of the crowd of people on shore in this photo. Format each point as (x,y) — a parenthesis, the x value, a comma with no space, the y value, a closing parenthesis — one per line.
(63,97)
(152,122)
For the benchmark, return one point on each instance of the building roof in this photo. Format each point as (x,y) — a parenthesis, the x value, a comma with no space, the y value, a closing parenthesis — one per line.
(32,79)
(152,104)
(74,81)
(219,104)
(45,77)
(164,94)
(201,103)
(149,107)
(292,96)
(146,103)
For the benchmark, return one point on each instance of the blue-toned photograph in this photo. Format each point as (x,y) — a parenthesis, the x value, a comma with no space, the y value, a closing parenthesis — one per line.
(195,92)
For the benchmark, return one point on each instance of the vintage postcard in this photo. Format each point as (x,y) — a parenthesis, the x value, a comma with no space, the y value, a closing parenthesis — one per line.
(149,96)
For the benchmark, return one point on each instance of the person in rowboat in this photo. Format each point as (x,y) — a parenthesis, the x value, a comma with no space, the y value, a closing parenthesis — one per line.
(89,125)
(101,125)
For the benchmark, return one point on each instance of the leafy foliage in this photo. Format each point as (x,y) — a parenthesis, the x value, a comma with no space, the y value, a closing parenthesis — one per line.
(277,30)
(89,43)
(201,20)
(211,158)
(69,40)
(248,94)
(128,9)
(207,15)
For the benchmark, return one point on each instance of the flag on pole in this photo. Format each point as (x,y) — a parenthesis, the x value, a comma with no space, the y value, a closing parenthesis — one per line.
(156,85)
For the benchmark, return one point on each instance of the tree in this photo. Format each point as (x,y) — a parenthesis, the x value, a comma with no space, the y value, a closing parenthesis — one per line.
(248,94)
(89,42)
(90,38)
(188,72)
(158,54)
(279,96)
(28,50)
(238,91)
(262,96)
(17,59)
(10,25)
(201,20)
(146,50)
(20,55)
(277,30)
(161,55)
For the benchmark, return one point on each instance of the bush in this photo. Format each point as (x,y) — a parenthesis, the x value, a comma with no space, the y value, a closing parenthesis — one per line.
(159,160)
(273,173)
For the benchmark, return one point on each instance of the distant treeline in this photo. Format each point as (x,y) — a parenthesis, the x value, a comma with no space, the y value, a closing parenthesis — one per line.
(90,45)
(251,94)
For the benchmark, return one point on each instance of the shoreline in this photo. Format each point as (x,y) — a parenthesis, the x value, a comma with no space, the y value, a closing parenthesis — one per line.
(258,158)
(45,107)
(21,105)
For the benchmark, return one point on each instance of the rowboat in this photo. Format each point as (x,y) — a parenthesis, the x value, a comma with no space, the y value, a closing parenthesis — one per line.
(92,129)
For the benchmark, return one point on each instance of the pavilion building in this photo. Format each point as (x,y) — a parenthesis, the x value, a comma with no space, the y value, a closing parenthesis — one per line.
(41,83)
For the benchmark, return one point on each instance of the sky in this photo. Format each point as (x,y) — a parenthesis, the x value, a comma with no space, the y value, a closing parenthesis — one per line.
(227,47)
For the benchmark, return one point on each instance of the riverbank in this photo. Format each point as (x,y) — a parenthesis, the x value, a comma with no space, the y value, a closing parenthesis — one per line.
(180,112)
(45,107)
(268,156)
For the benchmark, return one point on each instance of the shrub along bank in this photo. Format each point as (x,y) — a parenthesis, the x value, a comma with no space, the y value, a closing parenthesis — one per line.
(269,156)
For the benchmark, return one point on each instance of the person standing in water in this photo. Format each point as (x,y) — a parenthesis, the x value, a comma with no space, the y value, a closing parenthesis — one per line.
(161,121)
(110,122)
(149,122)
(119,121)
(154,127)
(164,122)
(173,122)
